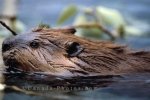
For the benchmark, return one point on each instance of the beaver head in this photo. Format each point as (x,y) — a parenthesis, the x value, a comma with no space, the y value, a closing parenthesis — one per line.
(60,52)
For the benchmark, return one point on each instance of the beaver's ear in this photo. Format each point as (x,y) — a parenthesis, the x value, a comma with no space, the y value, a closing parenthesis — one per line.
(66,30)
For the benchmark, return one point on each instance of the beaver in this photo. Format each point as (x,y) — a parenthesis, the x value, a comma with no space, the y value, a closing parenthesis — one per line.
(61,53)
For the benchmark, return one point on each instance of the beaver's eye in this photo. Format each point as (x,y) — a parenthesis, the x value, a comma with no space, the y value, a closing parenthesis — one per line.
(73,49)
(34,44)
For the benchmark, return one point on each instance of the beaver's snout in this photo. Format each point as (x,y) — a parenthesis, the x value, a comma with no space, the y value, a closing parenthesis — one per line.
(8,53)
(9,58)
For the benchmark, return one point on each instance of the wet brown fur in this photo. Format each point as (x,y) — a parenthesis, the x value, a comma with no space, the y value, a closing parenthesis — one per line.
(97,57)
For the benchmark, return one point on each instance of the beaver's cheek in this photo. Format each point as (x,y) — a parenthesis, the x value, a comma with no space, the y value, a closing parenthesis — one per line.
(79,62)
(66,63)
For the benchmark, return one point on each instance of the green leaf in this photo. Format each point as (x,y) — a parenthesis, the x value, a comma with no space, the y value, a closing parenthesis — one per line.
(91,32)
(66,14)
(111,17)
(80,19)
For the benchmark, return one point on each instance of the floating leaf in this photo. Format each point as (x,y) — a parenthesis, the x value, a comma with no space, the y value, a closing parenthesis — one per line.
(67,13)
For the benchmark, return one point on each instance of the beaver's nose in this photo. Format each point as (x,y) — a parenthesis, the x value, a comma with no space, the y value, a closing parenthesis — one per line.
(6,46)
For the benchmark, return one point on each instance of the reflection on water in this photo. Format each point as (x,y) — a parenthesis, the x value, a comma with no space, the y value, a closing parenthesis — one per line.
(127,87)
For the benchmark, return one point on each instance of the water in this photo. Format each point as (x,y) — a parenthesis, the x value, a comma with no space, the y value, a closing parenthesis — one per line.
(127,87)
(130,87)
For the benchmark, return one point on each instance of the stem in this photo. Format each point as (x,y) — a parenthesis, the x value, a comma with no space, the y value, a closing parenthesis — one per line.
(97,26)
(8,28)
